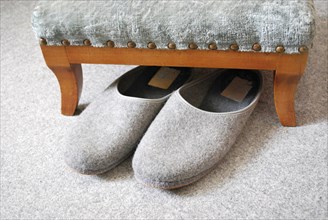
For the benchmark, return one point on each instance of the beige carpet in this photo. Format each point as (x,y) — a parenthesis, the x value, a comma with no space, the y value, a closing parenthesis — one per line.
(272,172)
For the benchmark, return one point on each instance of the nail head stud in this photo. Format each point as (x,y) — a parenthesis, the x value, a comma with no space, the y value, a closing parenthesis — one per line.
(110,44)
(43,41)
(171,46)
(65,42)
(234,47)
(303,49)
(87,42)
(280,49)
(212,46)
(131,44)
(193,46)
(256,47)
(151,45)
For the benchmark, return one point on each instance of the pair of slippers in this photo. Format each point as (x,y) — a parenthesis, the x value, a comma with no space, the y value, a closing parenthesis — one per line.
(177,127)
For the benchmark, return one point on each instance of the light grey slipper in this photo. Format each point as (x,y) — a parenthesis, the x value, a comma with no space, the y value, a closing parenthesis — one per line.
(196,127)
(109,129)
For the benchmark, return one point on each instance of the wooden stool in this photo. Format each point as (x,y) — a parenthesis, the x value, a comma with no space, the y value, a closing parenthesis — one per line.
(263,35)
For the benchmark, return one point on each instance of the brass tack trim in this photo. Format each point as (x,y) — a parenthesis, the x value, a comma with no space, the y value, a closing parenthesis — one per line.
(212,46)
(151,45)
(171,46)
(192,46)
(234,47)
(87,42)
(65,42)
(43,41)
(303,49)
(131,44)
(256,47)
(110,44)
(280,49)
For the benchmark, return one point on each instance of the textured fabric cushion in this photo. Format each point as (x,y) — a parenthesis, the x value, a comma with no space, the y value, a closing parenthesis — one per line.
(244,22)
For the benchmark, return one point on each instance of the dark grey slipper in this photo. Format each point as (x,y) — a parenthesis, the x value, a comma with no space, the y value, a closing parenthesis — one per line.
(109,129)
(196,127)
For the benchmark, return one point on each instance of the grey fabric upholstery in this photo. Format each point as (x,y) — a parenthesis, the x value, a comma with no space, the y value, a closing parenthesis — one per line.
(224,22)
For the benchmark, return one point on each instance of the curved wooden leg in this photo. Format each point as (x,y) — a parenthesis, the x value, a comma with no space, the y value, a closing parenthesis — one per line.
(289,70)
(68,75)
(70,81)
(285,86)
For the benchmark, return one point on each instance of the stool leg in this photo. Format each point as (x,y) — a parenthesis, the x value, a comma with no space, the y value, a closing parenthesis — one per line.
(285,86)
(68,75)
(70,81)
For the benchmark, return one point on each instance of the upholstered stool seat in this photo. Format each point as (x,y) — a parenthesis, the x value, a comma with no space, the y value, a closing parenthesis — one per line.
(250,34)
(187,24)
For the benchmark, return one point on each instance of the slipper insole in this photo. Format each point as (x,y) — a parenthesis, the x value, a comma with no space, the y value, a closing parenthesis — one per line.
(215,102)
(140,88)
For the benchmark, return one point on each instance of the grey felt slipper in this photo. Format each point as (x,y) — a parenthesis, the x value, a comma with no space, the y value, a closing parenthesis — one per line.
(108,130)
(195,129)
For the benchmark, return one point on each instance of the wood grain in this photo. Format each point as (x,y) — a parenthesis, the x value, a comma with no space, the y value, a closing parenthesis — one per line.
(69,77)
(65,63)
(183,58)
(287,75)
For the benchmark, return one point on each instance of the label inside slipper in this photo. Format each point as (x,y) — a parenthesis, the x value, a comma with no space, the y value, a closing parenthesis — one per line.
(164,77)
(237,89)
